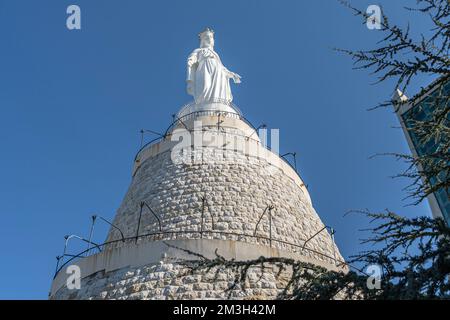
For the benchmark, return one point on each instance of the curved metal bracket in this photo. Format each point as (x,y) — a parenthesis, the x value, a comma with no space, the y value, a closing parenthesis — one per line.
(332,232)
(71,236)
(143,131)
(270,207)
(294,155)
(204,201)
(263,126)
(143,203)
(114,226)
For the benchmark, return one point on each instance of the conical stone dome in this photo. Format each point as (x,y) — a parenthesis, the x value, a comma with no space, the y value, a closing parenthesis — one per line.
(209,184)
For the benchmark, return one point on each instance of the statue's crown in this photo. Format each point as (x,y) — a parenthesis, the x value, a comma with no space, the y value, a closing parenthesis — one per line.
(207,30)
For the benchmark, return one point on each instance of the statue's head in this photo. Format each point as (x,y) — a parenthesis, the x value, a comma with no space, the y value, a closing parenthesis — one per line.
(206,38)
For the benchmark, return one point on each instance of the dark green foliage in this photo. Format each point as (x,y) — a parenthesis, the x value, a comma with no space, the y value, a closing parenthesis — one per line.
(414,256)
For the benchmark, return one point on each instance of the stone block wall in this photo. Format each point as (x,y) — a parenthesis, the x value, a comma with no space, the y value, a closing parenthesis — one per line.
(237,188)
(166,280)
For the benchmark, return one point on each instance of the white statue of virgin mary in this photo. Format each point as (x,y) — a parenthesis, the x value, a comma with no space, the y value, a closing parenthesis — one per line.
(207,78)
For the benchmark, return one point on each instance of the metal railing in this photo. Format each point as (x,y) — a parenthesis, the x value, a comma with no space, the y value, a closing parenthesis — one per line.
(218,114)
(207,112)
(215,100)
(193,234)
(155,236)
(211,112)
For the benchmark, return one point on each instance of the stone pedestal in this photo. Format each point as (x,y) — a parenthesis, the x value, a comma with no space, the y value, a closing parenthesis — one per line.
(219,200)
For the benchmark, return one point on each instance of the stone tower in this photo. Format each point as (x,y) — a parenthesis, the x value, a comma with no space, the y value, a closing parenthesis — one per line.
(208,185)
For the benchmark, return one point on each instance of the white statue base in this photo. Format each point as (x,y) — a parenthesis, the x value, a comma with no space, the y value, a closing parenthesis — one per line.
(206,107)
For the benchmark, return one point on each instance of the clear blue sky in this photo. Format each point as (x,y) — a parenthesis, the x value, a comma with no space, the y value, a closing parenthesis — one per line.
(72,104)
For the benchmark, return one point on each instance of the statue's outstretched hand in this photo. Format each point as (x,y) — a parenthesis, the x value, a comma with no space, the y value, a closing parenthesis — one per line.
(236,77)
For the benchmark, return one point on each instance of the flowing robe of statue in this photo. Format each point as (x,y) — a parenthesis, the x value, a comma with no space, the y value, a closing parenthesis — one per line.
(208,79)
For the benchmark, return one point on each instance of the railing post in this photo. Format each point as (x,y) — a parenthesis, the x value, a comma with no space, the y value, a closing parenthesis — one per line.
(203,214)
(270,227)
(90,235)
(295,161)
(139,221)
(294,155)
(154,214)
(114,226)
(66,242)
(142,137)
(57,264)
(334,245)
